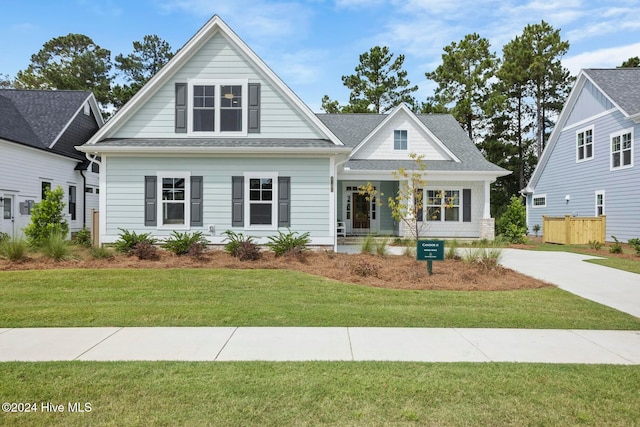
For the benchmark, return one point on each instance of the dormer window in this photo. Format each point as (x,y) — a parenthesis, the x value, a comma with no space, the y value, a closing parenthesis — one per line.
(399,139)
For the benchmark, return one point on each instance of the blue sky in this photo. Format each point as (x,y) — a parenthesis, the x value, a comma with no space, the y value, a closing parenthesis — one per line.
(310,44)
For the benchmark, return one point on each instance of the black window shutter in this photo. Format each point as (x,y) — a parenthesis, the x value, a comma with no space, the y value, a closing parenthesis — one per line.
(254,108)
(150,194)
(284,201)
(419,194)
(237,201)
(466,205)
(181,108)
(196,201)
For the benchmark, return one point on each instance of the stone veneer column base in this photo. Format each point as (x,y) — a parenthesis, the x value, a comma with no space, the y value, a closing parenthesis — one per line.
(488,228)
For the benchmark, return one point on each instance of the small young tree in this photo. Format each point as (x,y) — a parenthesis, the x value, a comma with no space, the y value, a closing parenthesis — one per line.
(47,217)
(513,223)
(407,207)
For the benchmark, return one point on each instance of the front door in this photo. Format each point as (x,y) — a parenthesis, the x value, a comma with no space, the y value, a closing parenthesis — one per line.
(361,219)
(7,218)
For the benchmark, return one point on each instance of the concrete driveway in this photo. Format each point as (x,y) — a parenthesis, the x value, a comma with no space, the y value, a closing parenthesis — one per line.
(614,288)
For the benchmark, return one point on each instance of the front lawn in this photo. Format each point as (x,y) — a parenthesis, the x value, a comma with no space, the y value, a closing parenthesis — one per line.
(320,393)
(219,297)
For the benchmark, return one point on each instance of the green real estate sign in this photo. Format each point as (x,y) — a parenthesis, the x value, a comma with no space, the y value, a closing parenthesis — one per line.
(430,250)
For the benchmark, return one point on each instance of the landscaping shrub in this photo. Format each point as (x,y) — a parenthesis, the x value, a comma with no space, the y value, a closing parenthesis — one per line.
(594,244)
(289,243)
(14,249)
(367,245)
(381,247)
(616,247)
(183,243)
(47,218)
(487,258)
(451,252)
(234,241)
(100,253)
(145,250)
(83,238)
(56,247)
(364,268)
(513,222)
(635,244)
(128,240)
(248,251)
(3,237)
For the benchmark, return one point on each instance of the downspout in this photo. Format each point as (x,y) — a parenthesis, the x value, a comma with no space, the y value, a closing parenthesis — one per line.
(84,198)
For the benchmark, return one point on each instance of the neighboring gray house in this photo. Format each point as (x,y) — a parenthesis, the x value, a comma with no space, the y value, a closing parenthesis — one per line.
(216,141)
(38,132)
(590,166)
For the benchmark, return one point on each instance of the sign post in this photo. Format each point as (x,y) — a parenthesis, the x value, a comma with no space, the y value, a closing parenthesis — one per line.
(430,250)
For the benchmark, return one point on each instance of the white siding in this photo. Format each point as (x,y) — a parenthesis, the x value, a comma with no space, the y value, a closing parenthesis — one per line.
(217,59)
(310,192)
(22,171)
(380,146)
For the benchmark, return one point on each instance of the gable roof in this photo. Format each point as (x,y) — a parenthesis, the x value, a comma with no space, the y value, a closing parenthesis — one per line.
(355,128)
(39,118)
(214,26)
(621,86)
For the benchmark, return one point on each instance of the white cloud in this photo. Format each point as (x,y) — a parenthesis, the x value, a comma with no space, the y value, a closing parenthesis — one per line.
(603,58)
(259,18)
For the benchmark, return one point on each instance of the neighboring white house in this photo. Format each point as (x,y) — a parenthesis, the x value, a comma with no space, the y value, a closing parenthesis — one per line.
(591,166)
(216,141)
(38,132)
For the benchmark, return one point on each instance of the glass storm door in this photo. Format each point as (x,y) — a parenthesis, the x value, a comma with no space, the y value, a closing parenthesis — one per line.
(361,218)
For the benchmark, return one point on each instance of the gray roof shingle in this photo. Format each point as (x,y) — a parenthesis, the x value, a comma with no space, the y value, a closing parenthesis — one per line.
(353,128)
(36,117)
(622,85)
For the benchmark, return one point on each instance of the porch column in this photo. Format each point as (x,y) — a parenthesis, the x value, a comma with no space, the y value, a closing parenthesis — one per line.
(486,212)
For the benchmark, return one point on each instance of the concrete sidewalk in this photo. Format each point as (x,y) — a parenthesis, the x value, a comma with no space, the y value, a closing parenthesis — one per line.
(321,344)
(608,286)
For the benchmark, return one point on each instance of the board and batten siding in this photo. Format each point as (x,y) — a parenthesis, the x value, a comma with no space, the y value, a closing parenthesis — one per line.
(310,192)
(563,176)
(22,171)
(380,146)
(217,59)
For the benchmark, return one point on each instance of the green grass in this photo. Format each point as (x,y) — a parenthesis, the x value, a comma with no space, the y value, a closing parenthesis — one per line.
(322,393)
(202,297)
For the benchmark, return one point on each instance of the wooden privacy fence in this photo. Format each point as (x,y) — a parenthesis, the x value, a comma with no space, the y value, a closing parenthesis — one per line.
(573,230)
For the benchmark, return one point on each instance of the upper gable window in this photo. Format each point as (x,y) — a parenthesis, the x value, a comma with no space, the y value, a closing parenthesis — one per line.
(218,107)
(399,139)
(584,145)
(622,150)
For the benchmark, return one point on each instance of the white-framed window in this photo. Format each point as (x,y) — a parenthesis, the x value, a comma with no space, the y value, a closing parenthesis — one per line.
(261,200)
(622,149)
(174,194)
(584,144)
(399,139)
(443,205)
(218,107)
(539,201)
(600,203)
